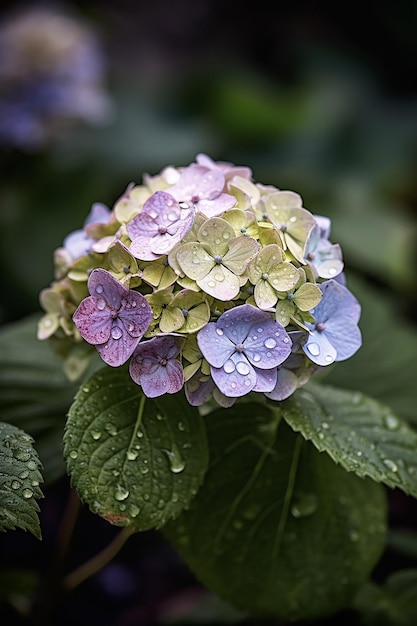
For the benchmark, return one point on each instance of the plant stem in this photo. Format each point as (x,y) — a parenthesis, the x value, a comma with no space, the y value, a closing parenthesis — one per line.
(96,563)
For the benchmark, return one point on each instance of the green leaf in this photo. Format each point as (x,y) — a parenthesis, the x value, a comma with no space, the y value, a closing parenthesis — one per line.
(358,432)
(20,476)
(278,529)
(35,394)
(135,461)
(393,604)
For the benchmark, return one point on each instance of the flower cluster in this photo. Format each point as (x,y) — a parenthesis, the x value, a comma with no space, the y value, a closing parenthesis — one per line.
(51,77)
(205,280)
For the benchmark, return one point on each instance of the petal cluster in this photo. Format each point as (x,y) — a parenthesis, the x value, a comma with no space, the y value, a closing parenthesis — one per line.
(206,281)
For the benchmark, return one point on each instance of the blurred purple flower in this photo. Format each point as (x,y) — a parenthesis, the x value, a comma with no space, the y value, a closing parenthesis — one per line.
(51,77)
(203,186)
(244,348)
(113,318)
(335,335)
(155,366)
(229,169)
(162,223)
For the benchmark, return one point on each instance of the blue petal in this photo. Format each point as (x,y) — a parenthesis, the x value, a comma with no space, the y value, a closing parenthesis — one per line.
(236,378)
(267,344)
(214,344)
(319,349)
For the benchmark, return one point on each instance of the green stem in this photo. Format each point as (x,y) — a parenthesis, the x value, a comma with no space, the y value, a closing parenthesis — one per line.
(96,563)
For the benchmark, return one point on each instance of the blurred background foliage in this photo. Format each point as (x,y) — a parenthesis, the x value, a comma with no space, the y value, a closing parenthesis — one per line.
(317,98)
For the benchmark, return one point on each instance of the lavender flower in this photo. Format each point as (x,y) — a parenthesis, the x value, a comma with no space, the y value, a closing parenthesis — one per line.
(51,77)
(244,348)
(78,243)
(335,335)
(324,256)
(155,366)
(162,223)
(113,318)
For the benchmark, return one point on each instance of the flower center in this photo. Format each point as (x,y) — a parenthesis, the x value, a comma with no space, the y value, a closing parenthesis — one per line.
(265,276)
(163,362)
(162,230)
(218,259)
(239,347)
(320,326)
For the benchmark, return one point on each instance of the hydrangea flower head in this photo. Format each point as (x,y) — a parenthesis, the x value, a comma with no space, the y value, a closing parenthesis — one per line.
(113,318)
(207,281)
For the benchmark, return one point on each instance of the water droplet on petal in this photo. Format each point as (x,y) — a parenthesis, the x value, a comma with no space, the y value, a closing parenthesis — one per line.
(116,332)
(99,289)
(256,357)
(211,284)
(270,343)
(229,366)
(260,330)
(313,348)
(219,331)
(101,304)
(243,368)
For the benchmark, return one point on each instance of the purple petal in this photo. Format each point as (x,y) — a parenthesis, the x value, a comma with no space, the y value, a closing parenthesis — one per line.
(336,300)
(265,379)
(267,344)
(106,287)
(236,378)
(287,383)
(94,324)
(345,337)
(167,378)
(118,349)
(198,391)
(212,208)
(135,314)
(319,349)
(141,249)
(214,344)
(197,181)
(237,322)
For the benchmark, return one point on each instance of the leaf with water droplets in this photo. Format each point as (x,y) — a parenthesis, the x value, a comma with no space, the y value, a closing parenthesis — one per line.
(126,454)
(20,477)
(358,432)
(277,528)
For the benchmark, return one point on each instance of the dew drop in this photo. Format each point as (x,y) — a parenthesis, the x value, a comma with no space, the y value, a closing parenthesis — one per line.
(133,510)
(260,329)
(24,474)
(101,305)
(139,434)
(313,348)
(176,462)
(391,465)
(27,493)
(121,493)
(196,260)
(96,434)
(304,505)
(132,455)
(392,423)
(116,332)
(256,357)
(211,284)
(99,289)
(329,358)
(270,343)
(229,366)
(31,465)
(219,331)
(226,236)
(111,429)
(243,368)
(181,426)
(16,484)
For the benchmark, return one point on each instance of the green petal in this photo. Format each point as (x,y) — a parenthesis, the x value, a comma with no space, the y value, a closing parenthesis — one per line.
(220,283)
(196,318)
(307,297)
(283,277)
(265,296)
(246,193)
(241,251)
(194,260)
(284,311)
(171,319)
(215,234)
